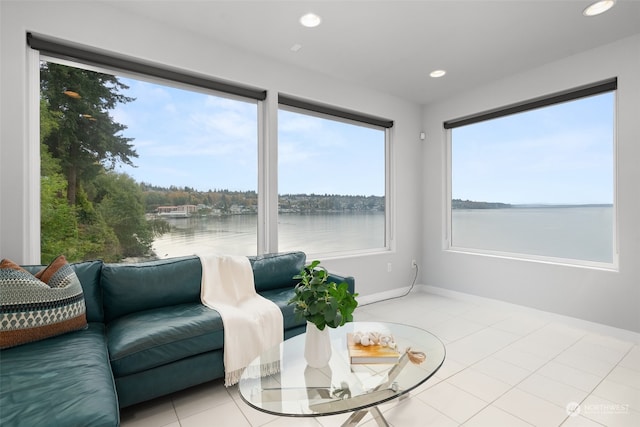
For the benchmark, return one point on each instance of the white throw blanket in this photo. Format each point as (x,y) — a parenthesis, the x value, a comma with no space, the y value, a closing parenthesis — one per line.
(252,323)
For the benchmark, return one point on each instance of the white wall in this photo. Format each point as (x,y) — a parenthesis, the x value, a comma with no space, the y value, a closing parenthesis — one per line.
(418,168)
(101,26)
(609,297)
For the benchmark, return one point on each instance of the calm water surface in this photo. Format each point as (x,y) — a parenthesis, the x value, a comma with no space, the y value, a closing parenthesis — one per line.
(237,234)
(584,233)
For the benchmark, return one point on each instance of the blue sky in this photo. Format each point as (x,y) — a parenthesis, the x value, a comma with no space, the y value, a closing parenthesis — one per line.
(561,154)
(187,138)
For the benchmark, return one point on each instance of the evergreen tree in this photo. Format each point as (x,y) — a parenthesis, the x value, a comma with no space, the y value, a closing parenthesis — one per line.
(85,138)
(58,225)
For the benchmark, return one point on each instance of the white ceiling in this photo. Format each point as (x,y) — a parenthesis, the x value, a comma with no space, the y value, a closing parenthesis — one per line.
(393,45)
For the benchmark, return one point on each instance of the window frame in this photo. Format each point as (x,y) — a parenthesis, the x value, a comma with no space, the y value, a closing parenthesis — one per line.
(267,134)
(328,112)
(577,93)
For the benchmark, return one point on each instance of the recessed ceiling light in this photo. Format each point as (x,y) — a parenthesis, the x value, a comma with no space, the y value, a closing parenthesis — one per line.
(437,73)
(598,7)
(310,20)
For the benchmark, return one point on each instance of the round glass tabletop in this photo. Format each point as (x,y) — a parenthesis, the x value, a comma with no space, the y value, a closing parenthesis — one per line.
(341,386)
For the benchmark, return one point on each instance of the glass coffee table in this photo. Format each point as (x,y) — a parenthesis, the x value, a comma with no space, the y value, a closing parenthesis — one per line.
(298,390)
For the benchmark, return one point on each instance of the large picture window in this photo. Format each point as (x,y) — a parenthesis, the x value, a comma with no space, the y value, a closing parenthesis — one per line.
(145,162)
(332,180)
(143,169)
(537,181)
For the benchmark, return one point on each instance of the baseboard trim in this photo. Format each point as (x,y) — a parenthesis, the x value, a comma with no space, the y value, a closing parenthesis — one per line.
(381,296)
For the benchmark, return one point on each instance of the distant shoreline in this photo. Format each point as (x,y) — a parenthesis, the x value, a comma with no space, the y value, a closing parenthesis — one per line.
(586,205)
(472,204)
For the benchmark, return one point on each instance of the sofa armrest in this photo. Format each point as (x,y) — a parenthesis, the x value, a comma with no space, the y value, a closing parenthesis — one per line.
(339,279)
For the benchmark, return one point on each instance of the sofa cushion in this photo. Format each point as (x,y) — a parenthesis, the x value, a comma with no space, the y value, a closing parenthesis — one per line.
(38,307)
(151,338)
(281,298)
(89,274)
(61,381)
(131,288)
(274,271)
(167,379)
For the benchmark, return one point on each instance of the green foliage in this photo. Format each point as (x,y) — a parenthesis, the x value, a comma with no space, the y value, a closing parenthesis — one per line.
(88,211)
(119,201)
(470,204)
(59,227)
(321,302)
(85,138)
(95,238)
(77,231)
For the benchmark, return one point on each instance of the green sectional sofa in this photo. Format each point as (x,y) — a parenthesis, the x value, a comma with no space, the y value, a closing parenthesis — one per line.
(148,336)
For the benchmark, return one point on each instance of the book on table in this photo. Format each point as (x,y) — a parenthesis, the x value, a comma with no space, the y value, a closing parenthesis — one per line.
(370,354)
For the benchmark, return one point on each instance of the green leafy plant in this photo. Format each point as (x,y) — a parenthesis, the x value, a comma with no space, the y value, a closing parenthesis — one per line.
(321,302)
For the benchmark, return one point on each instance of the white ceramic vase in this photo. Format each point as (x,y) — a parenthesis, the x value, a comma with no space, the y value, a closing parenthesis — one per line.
(317,346)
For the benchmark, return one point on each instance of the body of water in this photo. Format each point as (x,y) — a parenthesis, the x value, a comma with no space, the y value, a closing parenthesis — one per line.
(237,234)
(583,233)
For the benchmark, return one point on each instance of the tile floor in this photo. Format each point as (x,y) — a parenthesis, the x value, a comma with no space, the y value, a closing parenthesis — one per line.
(506,366)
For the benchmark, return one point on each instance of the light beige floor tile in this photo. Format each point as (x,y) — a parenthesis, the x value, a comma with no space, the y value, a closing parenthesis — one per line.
(553,391)
(560,333)
(154,413)
(449,368)
(571,376)
(338,420)
(610,342)
(455,328)
(619,393)
(544,343)
(291,422)
(254,416)
(580,421)
(479,384)
(609,413)
(200,398)
(626,376)
(579,359)
(487,315)
(415,413)
(605,349)
(426,319)
(451,306)
(475,347)
(495,417)
(520,358)
(501,370)
(531,409)
(226,414)
(521,324)
(632,359)
(455,403)
(425,385)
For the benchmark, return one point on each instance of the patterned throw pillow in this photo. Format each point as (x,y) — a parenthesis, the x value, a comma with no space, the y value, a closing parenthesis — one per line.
(37,307)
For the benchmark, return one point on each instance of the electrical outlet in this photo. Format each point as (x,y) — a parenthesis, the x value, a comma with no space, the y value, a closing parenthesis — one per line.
(388,267)
(414,264)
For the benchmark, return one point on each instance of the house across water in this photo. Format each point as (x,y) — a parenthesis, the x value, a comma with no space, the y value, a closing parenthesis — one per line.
(181,211)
